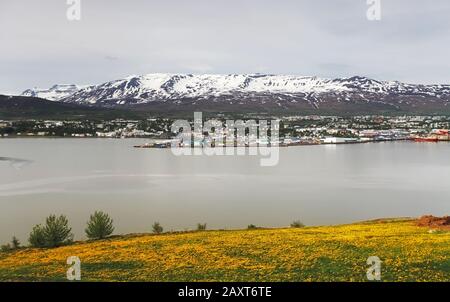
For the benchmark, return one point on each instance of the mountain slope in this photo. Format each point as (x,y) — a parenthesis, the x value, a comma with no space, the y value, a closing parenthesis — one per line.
(263,93)
(323,253)
(20,107)
(54,93)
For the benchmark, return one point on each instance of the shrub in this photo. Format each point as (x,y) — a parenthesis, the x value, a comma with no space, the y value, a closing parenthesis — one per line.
(99,226)
(55,232)
(251,227)
(15,243)
(297,224)
(157,228)
(5,247)
(37,236)
(201,226)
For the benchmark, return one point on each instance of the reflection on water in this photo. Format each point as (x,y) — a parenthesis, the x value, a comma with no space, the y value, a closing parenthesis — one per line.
(316,184)
(17,163)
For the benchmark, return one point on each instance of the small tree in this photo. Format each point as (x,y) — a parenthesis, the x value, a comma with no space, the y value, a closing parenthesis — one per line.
(252,227)
(5,247)
(55,232)
(201,226)
(157,228)
(37,236)
(297,224)
(99,226)
(15,243)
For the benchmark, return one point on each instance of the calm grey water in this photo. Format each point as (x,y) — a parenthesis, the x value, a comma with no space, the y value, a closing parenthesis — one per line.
(316,184)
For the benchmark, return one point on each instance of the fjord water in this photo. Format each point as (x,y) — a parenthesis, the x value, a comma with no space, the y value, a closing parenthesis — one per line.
(325,184)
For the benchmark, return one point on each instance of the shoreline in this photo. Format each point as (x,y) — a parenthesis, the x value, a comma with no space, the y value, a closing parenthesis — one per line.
(144,146)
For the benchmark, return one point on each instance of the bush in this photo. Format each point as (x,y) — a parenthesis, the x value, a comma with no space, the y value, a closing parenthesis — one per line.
(15,243)
(55,232)
(99,226)
(297,224)
(157,228)
(37,236)
(251,227)
(6,247)
(201,226)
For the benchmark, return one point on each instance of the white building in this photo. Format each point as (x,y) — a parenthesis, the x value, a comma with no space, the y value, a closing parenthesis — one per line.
(339,140)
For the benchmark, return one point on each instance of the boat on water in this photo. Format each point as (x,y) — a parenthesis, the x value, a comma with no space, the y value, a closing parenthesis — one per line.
(426,139)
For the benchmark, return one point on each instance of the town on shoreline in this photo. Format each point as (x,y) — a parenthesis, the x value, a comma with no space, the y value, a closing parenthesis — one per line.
(293,130)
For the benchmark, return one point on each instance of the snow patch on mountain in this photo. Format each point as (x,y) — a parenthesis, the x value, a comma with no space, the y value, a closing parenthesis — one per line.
(159,86)
(242,89)
(54,93)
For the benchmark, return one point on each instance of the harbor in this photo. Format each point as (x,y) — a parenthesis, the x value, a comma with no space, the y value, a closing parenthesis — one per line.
(370,136)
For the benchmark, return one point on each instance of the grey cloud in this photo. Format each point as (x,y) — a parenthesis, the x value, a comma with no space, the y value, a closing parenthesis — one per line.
(40,47)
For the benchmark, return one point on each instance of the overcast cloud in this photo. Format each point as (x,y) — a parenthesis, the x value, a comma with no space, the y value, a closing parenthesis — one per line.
(328,38)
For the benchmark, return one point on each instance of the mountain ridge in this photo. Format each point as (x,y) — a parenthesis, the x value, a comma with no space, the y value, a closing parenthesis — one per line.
(54,93)
(238,92)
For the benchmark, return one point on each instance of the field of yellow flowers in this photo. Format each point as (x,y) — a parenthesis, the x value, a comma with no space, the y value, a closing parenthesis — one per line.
(329,253)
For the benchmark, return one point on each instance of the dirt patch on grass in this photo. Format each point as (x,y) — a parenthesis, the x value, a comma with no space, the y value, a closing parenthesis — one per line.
(442,223)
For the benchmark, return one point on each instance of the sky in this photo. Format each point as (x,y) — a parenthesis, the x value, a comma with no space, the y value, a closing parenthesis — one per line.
(113,39)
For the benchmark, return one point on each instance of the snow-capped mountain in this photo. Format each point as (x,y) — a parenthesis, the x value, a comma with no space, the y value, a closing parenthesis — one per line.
(54,93)
(158,87)
(258,92)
